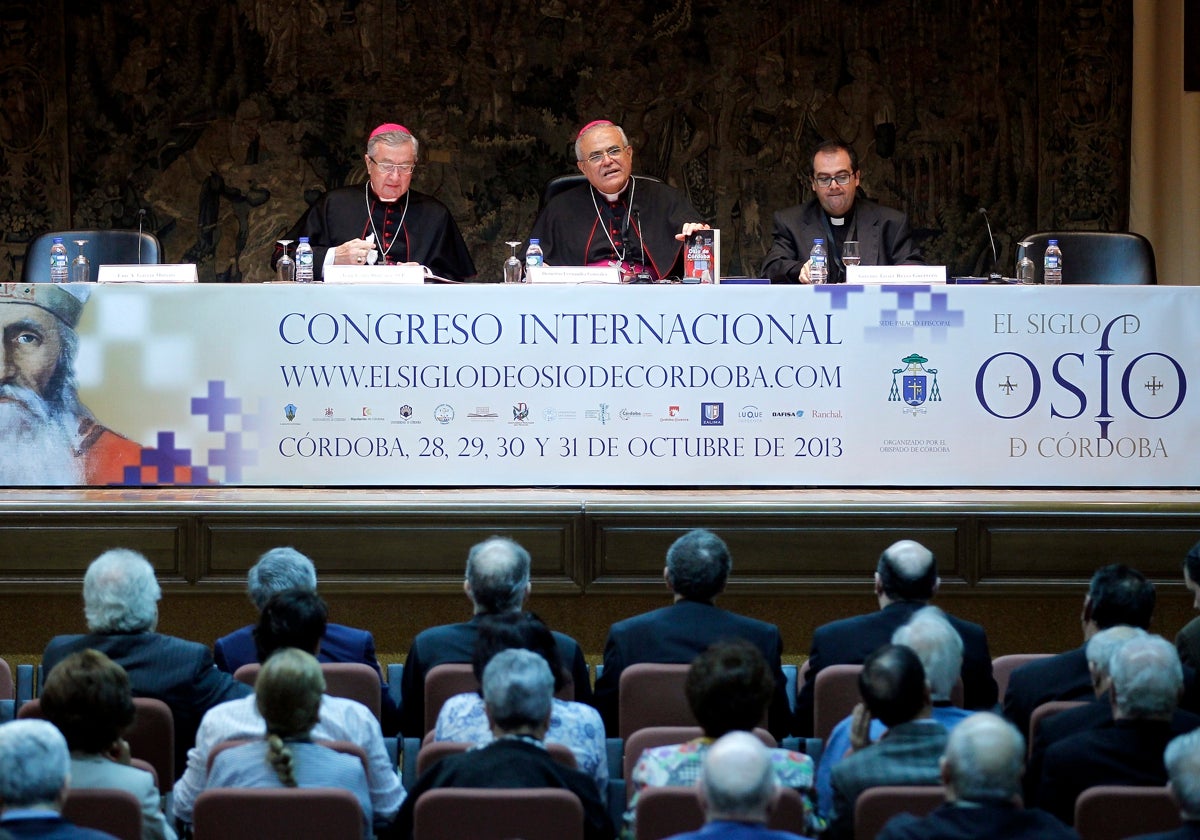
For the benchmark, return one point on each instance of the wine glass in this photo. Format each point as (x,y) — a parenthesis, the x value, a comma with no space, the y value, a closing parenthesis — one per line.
(850,255)
(512,266)
(285,268)
(1025,267)
(80,268)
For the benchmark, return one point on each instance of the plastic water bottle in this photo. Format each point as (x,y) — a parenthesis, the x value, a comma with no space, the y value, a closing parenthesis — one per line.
(304,261)
(533,256)
(818,272)
(58,261)
(1052,265)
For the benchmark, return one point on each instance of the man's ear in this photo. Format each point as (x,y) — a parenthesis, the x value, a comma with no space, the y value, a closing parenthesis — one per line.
(667,578)
(878,585)
(937,581)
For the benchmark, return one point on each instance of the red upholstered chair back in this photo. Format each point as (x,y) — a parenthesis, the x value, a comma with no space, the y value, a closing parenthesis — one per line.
(651,694)
(1111,812)
(443,682)
(665,736)
(117,812)
(875,806)
(666,811)
(498,814)
(1003,666)
(835,695)
(352,680)
(1044,711)
(434,751)
(255,813)
(7,690)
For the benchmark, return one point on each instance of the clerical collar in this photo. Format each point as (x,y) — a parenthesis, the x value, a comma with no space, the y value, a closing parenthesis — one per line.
(837,220)
(611,197)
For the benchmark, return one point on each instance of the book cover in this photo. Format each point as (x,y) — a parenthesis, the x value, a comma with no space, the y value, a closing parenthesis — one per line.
(702,257)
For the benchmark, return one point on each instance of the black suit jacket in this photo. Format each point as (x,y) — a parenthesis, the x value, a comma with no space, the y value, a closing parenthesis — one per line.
(884,238)
(1061,677)
(851,640)
(987,821)
(455,643)
(678,634)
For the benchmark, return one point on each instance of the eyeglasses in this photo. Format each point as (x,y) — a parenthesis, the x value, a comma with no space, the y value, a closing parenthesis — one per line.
(842,178)
(389,168)
(613,152)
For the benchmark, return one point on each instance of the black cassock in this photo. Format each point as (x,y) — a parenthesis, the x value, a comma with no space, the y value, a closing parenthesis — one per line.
(424,232)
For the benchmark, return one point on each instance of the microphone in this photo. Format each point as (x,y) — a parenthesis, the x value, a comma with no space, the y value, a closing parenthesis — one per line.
(995,276)
(141,220)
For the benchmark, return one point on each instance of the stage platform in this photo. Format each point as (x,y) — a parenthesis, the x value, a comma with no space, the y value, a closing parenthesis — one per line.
(392,559)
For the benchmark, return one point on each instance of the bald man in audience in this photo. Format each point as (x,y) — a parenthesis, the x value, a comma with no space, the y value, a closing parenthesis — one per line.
(906,579)
(1182,758)
(981,772)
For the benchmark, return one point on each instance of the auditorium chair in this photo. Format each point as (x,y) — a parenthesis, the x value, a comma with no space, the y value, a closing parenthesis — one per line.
(255,813)
(1113,812)
(1097,257)
(875,806)
(497,814)
(117,812)
(104,247)
(664,736)
(7,688)
(449,679)
(667,811)
(1003,666)
(836,694)
(434,751)
(347,747)
(651,694)
(352,680)
(1045,710)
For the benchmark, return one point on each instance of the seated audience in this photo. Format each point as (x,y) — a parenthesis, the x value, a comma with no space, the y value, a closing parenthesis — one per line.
(87,697)
(293,619)
(288,695)
(287,568)
(120,601)
(573,724)
(1146,682)
(981,771)
(939,647)
(497,582)
(35,767)
(738,792)
(1182,758)
(517,689)
(893,688)
(697,568)
(728,688)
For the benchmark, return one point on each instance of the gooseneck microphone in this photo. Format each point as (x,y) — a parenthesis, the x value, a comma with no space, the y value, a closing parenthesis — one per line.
(994,276)
(141,221)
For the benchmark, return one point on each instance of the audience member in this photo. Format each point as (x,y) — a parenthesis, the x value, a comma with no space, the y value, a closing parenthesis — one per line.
(1117,595)
(383,221)
(893,688)
(573,724)
(293,619)
(286,568)
(981,771)
(87,696)
(1146,682)
(634,224)
(1182,758)
(288,694)
(1188,639)
(905,580)
(738,792)
(497,582)
(729,688)
(837,214)
(35,768)
(517,689)
(939,647)
(120,601)
(697,568)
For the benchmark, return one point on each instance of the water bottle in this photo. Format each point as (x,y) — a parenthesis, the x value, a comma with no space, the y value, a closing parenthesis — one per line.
(304,261)
(818,272)
(58,261)
(1052,266)
(533,257)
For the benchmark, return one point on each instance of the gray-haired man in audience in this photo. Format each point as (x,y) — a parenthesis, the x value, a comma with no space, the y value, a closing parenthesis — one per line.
(1182,758)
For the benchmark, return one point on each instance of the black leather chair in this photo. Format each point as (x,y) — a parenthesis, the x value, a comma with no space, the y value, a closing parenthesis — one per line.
(1100,257)
(562,183)
(104,247)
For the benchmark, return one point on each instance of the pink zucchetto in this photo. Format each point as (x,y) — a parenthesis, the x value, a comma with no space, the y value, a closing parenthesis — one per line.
(388,127)
(590,126)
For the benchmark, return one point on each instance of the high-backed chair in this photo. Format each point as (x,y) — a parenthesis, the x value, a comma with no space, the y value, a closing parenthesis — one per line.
(434,751)
(651,694)
(352,680)
(1112,812)
(1045,710)
(666,811)
(151,737)
(498,814)
(117,812)
(1098,256)
(1003,666)
(664,736)
(104,247)
(254,813)
(875,806)
(7,687)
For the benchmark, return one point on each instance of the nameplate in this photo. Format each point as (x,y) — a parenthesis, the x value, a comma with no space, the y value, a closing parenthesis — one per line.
(574,274)
(403,275)
(160,273)
(901,275)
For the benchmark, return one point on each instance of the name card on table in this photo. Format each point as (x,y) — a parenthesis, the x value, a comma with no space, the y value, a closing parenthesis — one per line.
(895,275)
(574,274)
(157,273)
(403,275)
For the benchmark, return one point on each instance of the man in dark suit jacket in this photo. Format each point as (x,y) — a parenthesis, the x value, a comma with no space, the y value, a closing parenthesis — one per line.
(281,569)
(1188,639)
(517,689)
(698,565)
(1146,681)
(497,581)
(836,215)
(35,765)
(1183,769)
(905,580)
(120,597)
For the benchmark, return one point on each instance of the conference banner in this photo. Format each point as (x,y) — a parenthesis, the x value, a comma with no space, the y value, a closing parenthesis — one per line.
(599,386)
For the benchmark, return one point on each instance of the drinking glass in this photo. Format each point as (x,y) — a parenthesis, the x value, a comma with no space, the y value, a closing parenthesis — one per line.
(850,254)
(513,270)
(80,269)
(1025,266)
(285,269)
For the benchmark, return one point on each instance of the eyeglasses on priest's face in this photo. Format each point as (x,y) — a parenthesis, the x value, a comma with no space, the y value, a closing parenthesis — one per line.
(842,179)
(613,152)
(389,168)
